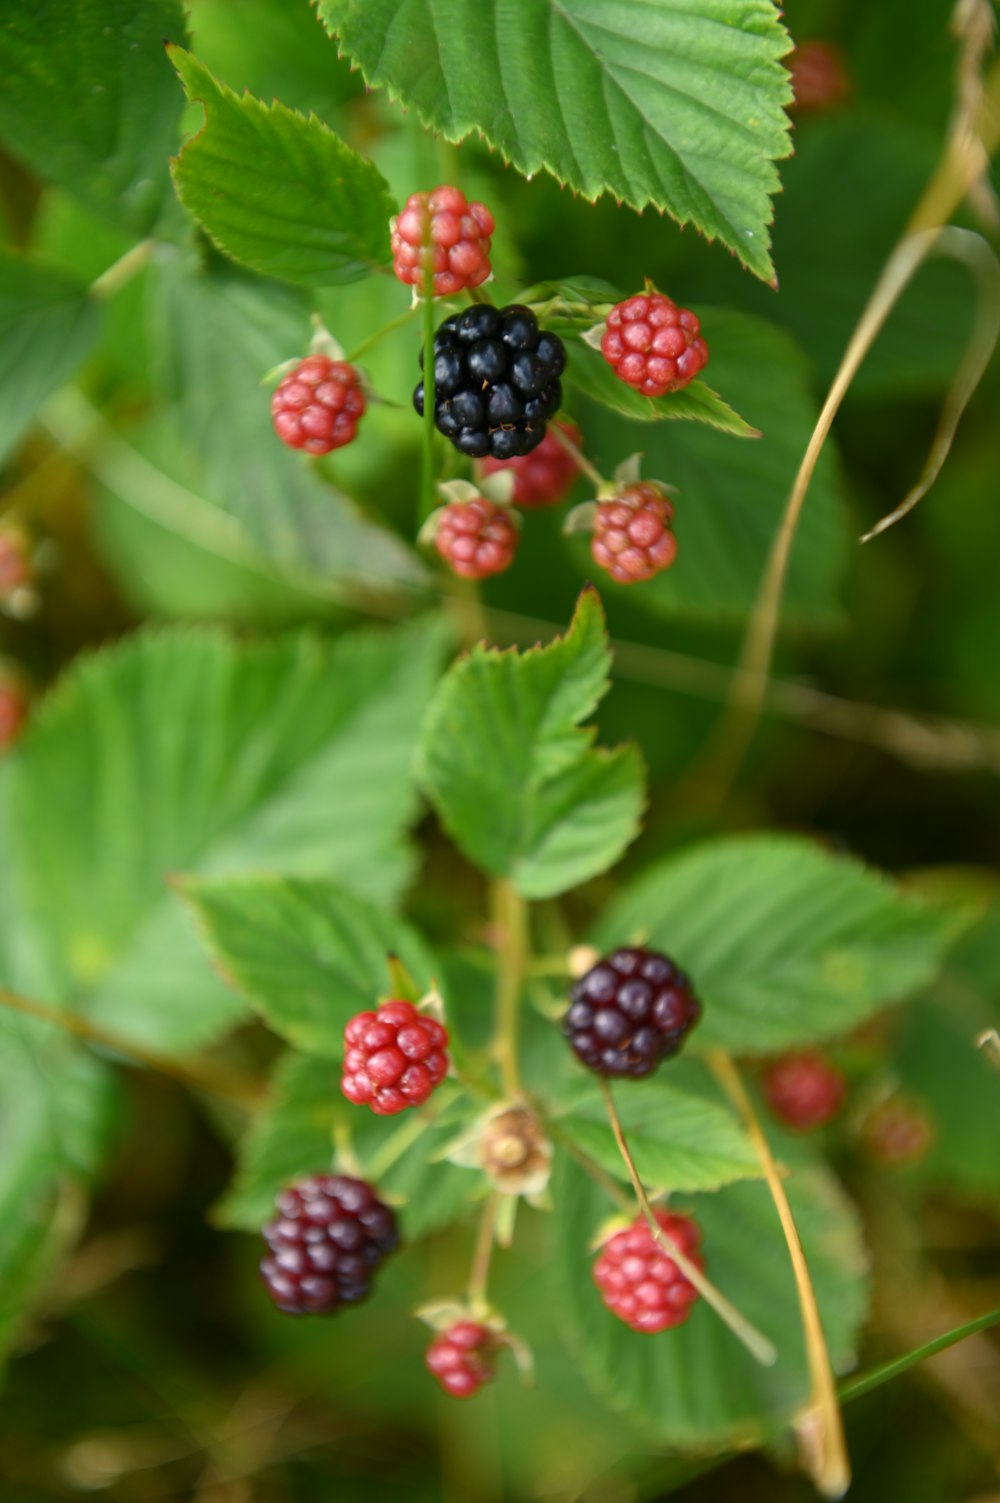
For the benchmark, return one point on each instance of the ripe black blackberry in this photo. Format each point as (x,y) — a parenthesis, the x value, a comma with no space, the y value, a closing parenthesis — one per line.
(329,1236)
(629,1012)
(496,381)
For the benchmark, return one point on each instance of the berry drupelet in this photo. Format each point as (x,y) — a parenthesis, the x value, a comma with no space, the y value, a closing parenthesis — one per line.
(461,1358)
(652,344)
(316,407)
(546,475)
(442,232)
(476,538)
(638,1279)
(803,1089)
(632,536)
(629,1012)
(329,1236)
(393,1058)
(496,381)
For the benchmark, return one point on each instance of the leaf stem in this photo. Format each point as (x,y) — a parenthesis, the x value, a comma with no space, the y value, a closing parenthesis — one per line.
(829,1465)
(373,339)
(121,271)
(866,1382)
(510,920)
(757,1344)
(216,1081)
(582,462)
(479,1273)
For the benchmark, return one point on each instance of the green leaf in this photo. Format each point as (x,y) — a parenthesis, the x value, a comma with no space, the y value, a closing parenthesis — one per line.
(590,373)
(89,101)
(517,784)
(278,191)
(56,1112)
(48,325)
(181,752)
(666,104)
(730,497)
(681,1141)
(308,955)
(695,1387)
(785,943)
(218,335)
(293,1135)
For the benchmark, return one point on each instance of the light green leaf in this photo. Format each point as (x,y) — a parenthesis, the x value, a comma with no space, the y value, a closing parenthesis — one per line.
(785,944)
(730,497)
(278,191)
(516,782)
(56,1113)
(308,955)
(695,1387)
(89,101)
(48,325)
(661,104)
(181,752)
(218,335)
(293,1136)
(590,373)
(681,1141)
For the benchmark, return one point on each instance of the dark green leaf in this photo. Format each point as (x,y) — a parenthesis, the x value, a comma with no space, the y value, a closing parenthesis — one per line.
(308,955)
(48,325)
(278,191)
(660,104)
(89,101)
(516,782)
(785,943)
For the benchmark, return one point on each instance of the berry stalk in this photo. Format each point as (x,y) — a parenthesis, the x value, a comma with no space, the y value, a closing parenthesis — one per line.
(757,1344)
(510,919)
(479,1273)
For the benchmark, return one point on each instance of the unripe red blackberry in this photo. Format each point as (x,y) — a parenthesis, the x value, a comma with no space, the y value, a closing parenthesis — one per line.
(15,561)
(629,1012)
(632,535)
(638,1279)
(316,407)
(820,80)
(393,1058)
(13,710)
(476,538)
(652,344)
(329,1236)
(546,475)
(462,1357)
(804,1089)
(897,1131)
(442,232)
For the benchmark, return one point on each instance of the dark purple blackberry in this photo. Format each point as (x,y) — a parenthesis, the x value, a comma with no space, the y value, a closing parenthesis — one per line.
(496,381)
(329,1236)
(630,1011)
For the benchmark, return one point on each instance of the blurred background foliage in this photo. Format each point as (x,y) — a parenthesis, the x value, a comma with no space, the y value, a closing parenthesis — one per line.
(154,1369)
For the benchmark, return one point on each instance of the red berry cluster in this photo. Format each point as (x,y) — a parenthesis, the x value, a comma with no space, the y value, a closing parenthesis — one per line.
(317,405)
(652,344)
(476,538)
(632,536)
(461,1358)
(803,1089)
(545,476)
(442,232)
(638,1279)
(393,1058)
(820,80)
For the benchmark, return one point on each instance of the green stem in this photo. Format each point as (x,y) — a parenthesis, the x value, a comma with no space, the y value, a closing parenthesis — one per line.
(373,339)
(479,1273)
(121,271)
(427,496)
(510,920)
(214,1080)
(582,462)
(859,1386)
(756,1343)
